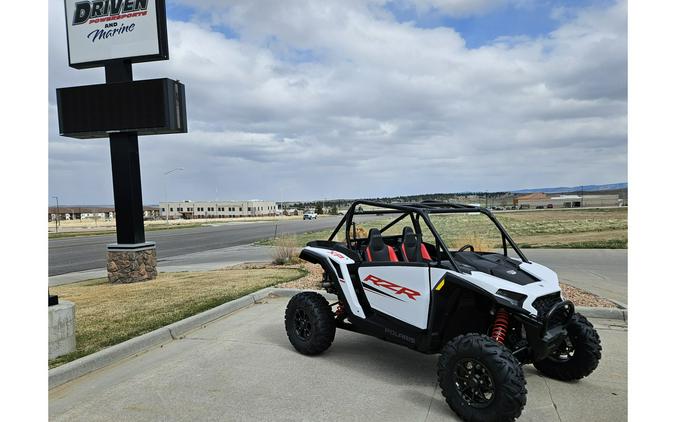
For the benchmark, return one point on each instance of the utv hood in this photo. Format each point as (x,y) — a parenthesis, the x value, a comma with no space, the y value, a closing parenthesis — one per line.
(496,265)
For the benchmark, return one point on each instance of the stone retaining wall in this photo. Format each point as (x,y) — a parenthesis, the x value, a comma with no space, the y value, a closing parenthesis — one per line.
(132,266)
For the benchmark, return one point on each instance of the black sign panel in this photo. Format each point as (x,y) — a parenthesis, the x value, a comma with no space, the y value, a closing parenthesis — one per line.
(148,107)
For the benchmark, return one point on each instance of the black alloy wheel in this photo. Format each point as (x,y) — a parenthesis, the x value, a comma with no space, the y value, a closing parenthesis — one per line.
(481,380)
(474,383)
(303,327)
(310,323)
(578,354)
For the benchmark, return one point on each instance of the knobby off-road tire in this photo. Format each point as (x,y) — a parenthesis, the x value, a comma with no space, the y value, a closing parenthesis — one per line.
(476,358)
(310,324)
(581,360)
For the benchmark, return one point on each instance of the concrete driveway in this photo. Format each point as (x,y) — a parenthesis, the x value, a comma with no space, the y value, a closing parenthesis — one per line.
(242,368)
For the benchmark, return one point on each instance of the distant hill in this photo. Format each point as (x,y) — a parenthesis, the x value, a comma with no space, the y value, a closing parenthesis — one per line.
(585,188)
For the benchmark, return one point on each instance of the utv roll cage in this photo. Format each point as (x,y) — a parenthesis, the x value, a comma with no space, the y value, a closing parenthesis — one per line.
(417,210)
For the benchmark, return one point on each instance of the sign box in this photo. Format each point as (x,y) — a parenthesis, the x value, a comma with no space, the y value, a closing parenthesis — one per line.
(103,30)
(148,107)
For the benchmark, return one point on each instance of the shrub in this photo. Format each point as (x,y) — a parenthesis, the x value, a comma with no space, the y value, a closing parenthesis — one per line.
(285,250)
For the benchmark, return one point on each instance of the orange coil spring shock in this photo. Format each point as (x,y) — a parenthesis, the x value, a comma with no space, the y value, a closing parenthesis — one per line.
(501,325)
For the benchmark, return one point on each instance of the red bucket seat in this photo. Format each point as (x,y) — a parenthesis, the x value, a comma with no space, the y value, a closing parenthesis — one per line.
(412,248)
(377,250)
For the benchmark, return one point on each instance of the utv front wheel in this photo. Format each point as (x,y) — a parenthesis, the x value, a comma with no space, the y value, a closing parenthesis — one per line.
(481,380)
(310,324)
(578,354)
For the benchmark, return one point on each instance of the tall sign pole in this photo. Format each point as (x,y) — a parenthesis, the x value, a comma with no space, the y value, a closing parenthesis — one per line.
(114,34)
(126,171)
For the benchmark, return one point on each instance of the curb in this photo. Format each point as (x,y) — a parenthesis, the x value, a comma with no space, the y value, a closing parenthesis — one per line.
(618,304)
(75,369)
(606,313)
(79,367)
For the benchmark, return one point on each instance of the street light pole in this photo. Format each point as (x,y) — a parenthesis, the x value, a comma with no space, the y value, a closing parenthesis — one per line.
(58,213)
(165,198)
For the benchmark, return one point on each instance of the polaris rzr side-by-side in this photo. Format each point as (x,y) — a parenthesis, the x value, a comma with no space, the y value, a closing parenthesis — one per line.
(486,313)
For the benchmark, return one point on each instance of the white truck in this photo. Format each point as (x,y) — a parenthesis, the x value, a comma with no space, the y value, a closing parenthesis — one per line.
(309,215)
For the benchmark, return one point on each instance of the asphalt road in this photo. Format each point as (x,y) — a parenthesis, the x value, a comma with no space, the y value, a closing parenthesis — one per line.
(600,271)
(242,368)
(85,253)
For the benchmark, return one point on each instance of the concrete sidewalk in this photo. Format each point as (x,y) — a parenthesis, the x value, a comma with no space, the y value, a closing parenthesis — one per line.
(242,367)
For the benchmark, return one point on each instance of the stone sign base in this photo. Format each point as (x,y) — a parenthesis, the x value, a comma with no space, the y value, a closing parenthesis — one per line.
(132,263)
(61,329)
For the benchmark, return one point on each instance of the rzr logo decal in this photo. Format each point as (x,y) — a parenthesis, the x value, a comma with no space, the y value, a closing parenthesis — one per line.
(399,290)
(338,254)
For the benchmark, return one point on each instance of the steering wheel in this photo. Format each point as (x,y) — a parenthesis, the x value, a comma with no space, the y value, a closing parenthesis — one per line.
(465,247)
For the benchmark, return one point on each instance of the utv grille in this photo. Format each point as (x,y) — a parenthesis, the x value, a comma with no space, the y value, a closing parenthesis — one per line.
(545,303)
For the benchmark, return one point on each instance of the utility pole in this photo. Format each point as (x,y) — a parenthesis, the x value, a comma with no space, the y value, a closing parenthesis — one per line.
(165,199)
(58,213)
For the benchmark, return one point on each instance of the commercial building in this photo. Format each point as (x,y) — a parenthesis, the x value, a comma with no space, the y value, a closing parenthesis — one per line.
(542,200)
(217,209)
(67,213)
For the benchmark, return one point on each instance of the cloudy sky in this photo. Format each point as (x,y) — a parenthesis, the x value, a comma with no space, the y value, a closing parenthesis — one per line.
(302,99)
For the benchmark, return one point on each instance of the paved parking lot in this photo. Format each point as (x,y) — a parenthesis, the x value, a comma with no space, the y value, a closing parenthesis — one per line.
(600,271)
(242,368)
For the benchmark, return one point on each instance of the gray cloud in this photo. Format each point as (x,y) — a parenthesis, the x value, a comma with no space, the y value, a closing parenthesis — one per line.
(337,99)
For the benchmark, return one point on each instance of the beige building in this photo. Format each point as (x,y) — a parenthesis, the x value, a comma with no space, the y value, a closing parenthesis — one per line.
(542,200)
(67,213)
(217,209)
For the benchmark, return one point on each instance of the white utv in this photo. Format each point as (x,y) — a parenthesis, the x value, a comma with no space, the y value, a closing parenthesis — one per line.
(485,313)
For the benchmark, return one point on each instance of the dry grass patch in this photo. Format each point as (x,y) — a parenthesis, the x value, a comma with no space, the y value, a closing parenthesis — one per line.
(560,228)
(479,243)
(286,250)
(107,314)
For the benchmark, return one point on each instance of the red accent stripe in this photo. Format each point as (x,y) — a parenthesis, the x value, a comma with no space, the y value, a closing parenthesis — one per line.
(392,254)
(405,255)
(369,257)
(425,253)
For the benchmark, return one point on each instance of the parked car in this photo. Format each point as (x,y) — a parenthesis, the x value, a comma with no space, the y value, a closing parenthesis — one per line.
(309,215)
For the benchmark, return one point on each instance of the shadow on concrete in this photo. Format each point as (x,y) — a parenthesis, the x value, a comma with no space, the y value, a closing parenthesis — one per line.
(378,359)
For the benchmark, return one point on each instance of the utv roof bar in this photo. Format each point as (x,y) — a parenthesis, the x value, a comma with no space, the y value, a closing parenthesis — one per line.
(424,208)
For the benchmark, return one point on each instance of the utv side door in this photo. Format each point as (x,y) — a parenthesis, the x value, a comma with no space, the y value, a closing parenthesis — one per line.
(400,290)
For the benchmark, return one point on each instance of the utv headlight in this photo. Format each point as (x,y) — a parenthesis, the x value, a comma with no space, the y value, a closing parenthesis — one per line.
(516,299)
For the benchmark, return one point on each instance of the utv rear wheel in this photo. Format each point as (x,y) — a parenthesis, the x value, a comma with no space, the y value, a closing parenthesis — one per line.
(310,324)
(481,380)
(578,354)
